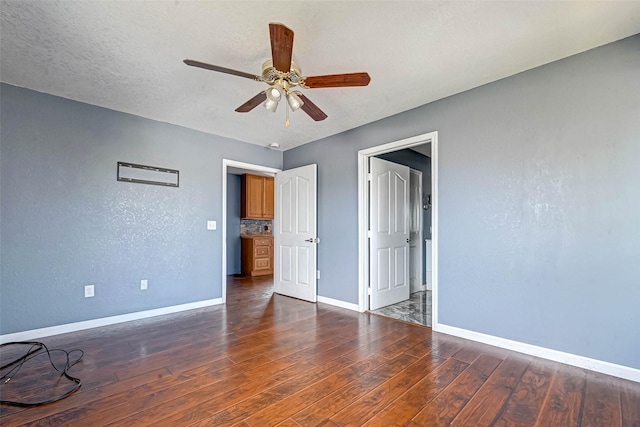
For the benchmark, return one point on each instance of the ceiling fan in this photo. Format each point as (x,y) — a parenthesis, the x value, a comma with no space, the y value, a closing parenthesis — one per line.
(282,75)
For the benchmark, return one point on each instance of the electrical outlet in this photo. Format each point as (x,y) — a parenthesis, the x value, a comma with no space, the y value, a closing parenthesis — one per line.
(89,291)
(211,225)
(144,284)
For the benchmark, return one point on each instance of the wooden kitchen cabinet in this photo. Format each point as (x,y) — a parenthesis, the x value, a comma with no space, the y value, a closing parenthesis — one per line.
(257,255)
(268,203)
(257,198)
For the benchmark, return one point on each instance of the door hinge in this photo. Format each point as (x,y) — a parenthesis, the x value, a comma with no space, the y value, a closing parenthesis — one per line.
(369,176)
(369,234)
(369,291)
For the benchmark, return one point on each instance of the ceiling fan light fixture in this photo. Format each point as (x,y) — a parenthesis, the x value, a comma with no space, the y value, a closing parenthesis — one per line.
(274,94)
(273,98)
(270,105)
(294,101)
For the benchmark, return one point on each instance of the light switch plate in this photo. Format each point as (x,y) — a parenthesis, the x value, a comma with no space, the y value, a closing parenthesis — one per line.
(89,291)
(144,284)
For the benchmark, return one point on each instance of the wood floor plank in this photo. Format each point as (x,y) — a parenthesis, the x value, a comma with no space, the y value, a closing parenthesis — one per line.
(630,400)
(260,400)
(564,400)
(526,400)
(46,415)
(286,423)
(487,403)
(217,395)
(408,341)
(345,343)
(467,354)
(374,401)
(359,348)
(602,405)
(417,396)
(322,410)
(442,410)
(263,359)
(130,402)
(422,347)
(274,413)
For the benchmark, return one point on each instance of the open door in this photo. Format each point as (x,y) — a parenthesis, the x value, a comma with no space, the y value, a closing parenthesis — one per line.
(389,225)
(296,233)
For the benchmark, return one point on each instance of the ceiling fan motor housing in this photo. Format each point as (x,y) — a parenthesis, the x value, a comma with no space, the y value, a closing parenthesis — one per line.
(271,75)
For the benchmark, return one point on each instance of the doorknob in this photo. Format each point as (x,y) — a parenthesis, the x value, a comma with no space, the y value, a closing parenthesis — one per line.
(313,240)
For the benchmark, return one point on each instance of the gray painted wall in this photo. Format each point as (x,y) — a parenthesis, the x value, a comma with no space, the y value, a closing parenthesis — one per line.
(234,260)
(67,222)
(539,209)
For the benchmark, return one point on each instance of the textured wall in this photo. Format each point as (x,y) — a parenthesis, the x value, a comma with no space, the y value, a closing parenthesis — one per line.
(67,222)
(539,207)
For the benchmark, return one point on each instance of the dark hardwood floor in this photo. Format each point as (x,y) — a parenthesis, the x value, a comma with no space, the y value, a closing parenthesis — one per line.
(265,359)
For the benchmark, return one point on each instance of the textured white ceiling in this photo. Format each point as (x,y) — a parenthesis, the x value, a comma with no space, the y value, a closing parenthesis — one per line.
(127,55)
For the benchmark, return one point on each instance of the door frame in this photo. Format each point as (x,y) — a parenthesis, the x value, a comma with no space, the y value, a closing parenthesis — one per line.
(363,214)
(226,164)
(421,279)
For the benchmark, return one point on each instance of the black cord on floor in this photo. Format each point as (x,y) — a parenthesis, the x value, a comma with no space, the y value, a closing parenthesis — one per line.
(34,350)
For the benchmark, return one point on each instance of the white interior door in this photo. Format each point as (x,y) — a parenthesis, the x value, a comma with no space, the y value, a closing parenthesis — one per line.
(389,225)
(296,233)
(415,231)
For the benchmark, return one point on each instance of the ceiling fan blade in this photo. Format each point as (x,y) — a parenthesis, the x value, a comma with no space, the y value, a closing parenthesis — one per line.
(219,69)
(312,109)
(337,80)
(281,46)
(252,103)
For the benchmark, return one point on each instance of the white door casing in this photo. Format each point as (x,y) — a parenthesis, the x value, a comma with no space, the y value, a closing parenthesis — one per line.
(389,225)
(415,231)
(295,230)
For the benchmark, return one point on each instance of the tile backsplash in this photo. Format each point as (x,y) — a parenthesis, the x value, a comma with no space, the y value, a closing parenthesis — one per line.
(256,226)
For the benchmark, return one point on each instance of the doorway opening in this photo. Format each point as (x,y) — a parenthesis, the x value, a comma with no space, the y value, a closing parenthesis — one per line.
(293,231)
(364,201)
(232,167)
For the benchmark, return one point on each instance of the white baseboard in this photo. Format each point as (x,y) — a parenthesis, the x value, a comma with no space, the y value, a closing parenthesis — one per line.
(105,321)
(338,303)
(603,367)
